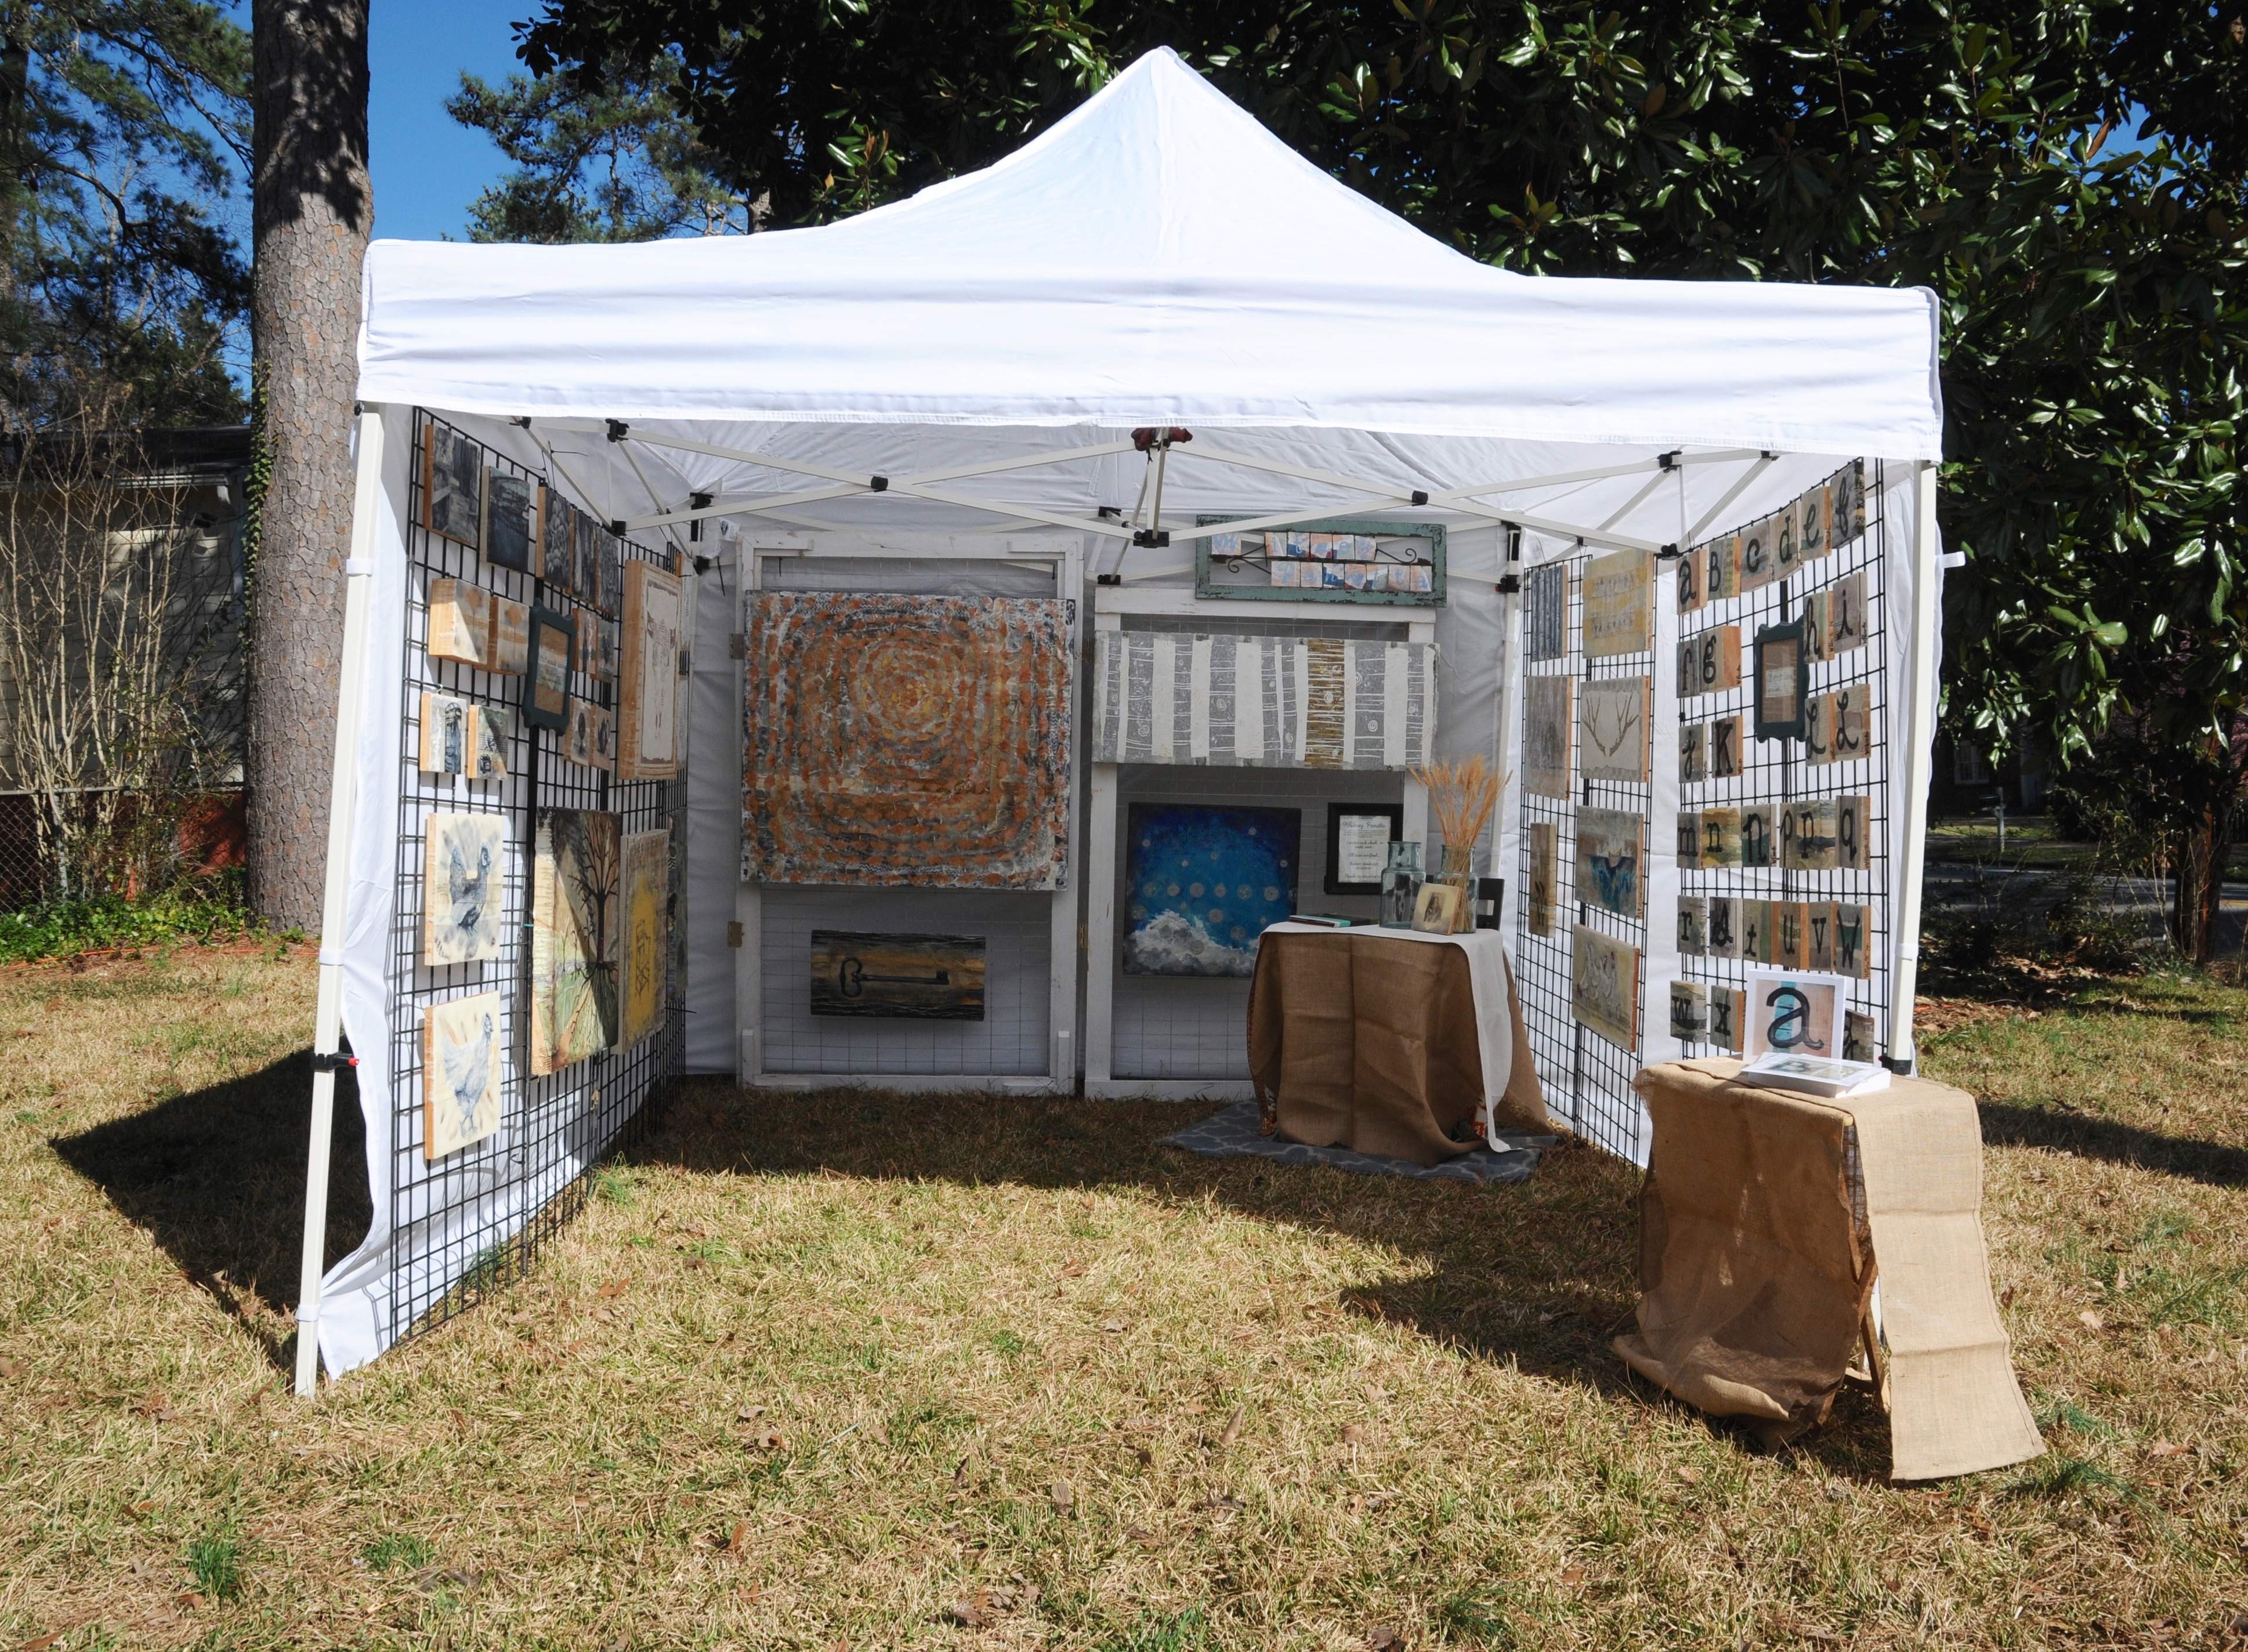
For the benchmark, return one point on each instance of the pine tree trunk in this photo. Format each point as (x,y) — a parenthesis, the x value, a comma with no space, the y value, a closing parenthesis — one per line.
(313,208)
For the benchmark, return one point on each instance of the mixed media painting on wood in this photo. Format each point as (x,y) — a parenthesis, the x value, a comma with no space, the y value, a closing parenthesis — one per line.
(918,978)
(1201,884)
(575,926)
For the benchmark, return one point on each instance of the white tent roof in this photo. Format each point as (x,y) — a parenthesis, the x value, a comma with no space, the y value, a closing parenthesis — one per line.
(1155,257)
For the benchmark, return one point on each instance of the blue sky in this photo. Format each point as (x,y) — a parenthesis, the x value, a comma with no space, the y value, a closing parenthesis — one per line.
(426,170)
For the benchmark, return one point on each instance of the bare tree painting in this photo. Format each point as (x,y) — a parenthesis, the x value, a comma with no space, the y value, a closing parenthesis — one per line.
(576,926)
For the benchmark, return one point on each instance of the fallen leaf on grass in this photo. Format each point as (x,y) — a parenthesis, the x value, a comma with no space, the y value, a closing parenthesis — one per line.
(2091,1320)
(41,1644)
(1113,1326)
(768,1440)
(614,1288)
(1688,1475)
(2167,1449)
(1233,1429)
(154,1406)
(1353,1434)
(738,1539)
(11,1370)
(1573,1574)
(749,1414)
(1064,1498)
(1382,1638)
(971,1614)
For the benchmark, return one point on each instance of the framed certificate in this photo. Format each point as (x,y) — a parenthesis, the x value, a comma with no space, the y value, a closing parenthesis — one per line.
(1359,836)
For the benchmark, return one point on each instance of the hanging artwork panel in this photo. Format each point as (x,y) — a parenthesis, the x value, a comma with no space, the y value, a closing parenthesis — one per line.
(1853,834)
(917,978)
(511,649)
(1546,612)
(1783,682)
(495,726)
(1615,738)
(1545,857)
(512,526)
(1721,568)
(907,740)
(575,938)
(646,880)
(460,1044)
(558,536)
(1724,747)
(1201,883)
(1545,734)
(647,693)
(1690,1011)
(1619,604)
(1846,614)
(1611,856)
(596,647)
(460,622)
(1795,1013)
(1710,662)
(461,888)
(1604,986)
(546,683)
(452,485)
(448,734)
(1227,701)
(1728,1012)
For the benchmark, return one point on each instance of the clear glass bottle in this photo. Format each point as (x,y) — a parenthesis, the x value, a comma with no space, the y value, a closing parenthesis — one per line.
(1401,884)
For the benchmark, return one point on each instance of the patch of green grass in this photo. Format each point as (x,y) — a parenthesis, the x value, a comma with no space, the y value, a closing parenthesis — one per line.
(399,1550)
(2057,1475)
(69,928)
(1008,1343)
(1476,1616)
(617,1184)
(1183,1633)
(214,1562)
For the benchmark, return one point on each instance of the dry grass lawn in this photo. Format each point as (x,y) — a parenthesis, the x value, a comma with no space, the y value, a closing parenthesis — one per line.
(859,1372)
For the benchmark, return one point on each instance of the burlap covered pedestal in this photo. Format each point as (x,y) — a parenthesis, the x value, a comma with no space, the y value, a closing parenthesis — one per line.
(1765,1220)
(1388,1041)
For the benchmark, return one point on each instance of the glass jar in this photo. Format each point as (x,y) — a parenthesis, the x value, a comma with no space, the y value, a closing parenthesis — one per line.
(1401,884)
(1459,872)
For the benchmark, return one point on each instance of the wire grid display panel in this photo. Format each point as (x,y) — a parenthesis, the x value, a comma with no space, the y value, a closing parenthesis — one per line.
(475,1218)
(1198,1027)
(1591,1075)
(1775,772)
(1015,1036)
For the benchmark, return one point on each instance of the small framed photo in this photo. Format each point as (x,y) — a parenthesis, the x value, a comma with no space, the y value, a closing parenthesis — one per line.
(1783,682)
(1437,911)
(546,684)
(1359,836)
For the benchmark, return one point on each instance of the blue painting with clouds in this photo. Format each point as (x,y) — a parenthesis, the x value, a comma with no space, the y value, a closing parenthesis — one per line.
(1201,884)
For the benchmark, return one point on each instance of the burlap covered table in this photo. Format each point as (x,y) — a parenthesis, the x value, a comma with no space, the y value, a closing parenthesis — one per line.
(1766,1220)
(1389,1041)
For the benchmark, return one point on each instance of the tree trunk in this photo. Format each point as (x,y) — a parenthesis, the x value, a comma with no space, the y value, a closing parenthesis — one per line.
(2203,852)
(313,208)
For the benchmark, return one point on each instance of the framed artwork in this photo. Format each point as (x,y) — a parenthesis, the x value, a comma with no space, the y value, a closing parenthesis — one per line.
(1545,734)
(1201,884)
(1857,1036)
(1690,1011)
(461,888)
(1710,662)
(1757,832)
(510,631)
(512,526)
(1693,753)
(1720,837)
(546,683)
(461,1042)
(575,936)
(1546,612)
(1436,908)
(1693,925)
(1611,853)
(494,724)
(559,534)
(1721,568)
(1687,827)
(1854,833)
(460,622)
(1384,564)
(1728,1013)
(1544,856)
(1795,1013)
(908,740)
(1852,948)
(647,692)
(452,485)
(1760,553)
(917,978)
(1604,986)
(1723,931)
(1359,836)
(596,646)
(1615,730)
(1783,682)
(448,734)
(646,879)
(1687,574)
(1619,604)
(1724,747)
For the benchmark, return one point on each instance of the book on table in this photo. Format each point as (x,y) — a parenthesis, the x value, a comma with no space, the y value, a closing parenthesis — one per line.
(1818,1074)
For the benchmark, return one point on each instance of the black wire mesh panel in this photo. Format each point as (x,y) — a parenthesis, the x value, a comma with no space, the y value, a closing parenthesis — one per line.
(1586,1075)
(471,1220)
(1778,773)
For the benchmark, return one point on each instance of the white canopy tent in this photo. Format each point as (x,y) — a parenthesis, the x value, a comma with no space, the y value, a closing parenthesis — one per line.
(973,362)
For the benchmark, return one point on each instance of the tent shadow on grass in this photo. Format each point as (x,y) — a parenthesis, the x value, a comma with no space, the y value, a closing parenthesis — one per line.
(216,1178)
(2087,1136)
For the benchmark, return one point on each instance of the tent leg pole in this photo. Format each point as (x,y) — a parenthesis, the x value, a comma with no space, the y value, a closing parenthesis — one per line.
(343,798)
(1920,728)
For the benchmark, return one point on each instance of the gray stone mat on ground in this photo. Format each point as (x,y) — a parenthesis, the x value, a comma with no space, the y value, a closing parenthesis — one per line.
(1237,1132)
